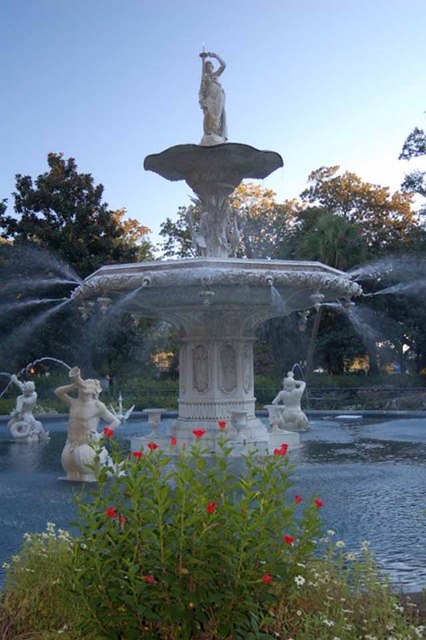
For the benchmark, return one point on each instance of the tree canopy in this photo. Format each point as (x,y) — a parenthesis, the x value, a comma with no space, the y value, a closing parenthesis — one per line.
(415,181)
(383,219)
(62,211)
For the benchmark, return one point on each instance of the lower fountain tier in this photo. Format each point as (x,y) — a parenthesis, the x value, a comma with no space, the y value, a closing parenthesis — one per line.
(217,305)
(173,290)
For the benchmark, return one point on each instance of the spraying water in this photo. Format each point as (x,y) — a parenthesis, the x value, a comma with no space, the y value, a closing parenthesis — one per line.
(24,332)
(18,306)
(277,303)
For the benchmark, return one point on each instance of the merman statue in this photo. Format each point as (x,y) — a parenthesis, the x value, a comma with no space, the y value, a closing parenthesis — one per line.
(291,416)
(22,424)
(80,454)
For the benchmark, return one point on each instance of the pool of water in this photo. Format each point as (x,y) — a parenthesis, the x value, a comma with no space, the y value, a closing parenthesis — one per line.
(371,476)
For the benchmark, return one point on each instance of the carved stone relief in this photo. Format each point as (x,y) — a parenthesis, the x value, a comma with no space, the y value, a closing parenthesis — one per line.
(200,367)
(228,368)
(247,369)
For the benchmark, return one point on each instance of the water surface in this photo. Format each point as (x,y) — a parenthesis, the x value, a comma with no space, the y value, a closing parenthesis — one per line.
(371,476)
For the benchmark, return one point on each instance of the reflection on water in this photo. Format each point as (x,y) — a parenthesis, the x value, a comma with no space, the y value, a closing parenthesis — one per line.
(370,475)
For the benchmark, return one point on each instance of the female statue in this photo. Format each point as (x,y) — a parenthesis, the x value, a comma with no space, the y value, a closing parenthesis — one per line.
(212,101)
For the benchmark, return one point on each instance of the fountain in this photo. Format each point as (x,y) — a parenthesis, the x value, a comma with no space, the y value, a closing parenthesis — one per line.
(216,300)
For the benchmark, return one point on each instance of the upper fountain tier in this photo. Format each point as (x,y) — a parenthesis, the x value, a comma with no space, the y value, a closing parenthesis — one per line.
(214,169)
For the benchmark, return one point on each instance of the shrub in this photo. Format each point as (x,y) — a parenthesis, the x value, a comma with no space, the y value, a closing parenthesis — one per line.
(183,545)
(38,596)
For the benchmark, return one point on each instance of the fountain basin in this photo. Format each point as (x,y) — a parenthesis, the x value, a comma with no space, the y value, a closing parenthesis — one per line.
(215,168)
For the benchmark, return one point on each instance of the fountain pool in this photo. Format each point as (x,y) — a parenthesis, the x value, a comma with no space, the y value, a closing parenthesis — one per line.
(370,475)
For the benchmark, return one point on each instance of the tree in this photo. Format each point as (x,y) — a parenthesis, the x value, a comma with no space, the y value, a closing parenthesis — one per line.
(414,147)
(61,227)
(329,238)
(62,211)
(385,221)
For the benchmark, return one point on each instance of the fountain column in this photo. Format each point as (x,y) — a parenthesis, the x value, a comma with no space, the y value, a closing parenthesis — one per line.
(216,374)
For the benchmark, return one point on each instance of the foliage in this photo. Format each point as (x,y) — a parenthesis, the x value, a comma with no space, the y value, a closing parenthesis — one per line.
(415,146)
(337,342)
(38,595)
(330,239)
(176,547)
(384,220)
(62,210)
(185,547)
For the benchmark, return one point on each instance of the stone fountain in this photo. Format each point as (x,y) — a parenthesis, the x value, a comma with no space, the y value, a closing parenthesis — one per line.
(216,300)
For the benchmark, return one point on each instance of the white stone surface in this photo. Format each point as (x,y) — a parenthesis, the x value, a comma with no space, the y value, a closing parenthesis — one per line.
(82,450)
(285,412)
(23,426)
(212,101)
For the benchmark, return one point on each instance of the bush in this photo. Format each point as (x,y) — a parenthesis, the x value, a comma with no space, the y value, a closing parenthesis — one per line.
(39,596)
(186,545)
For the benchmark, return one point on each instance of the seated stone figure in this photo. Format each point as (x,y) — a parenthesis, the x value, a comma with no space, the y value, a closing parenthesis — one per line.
(23,426)
(86,410)
(291,416)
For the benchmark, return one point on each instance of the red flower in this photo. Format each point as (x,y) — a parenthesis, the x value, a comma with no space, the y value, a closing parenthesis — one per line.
(288,539)
(149,579)
(298,499)
(173,441)
(122,519)
(282,450)
(318,503)
(108,432)
(111,512)
(266,578)
(152,445)
(137,454)
(198,433)
(222,424)
(212,506)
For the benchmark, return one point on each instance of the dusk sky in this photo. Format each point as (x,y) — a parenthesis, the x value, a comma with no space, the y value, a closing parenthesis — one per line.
(322,82)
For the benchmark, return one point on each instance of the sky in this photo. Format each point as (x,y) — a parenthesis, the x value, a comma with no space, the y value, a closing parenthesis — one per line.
(108,82)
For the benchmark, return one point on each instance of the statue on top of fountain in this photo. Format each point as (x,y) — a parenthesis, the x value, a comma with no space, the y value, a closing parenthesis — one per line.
(22,424)
(290,416)
(80,453)
(212,101)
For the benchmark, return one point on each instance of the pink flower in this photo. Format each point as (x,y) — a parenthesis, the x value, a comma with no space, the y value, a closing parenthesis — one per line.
(318,503)
(173,441)
(212,506)
(149,579)
(111,512)
(266,578)
(282,450)
(222,424)
(137,454)
(298,499)
(198,433)
(122,519)
(152,445)
(108,432)
(288,539)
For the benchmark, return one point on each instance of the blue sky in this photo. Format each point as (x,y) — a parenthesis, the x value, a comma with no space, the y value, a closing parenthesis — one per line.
(108,82)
